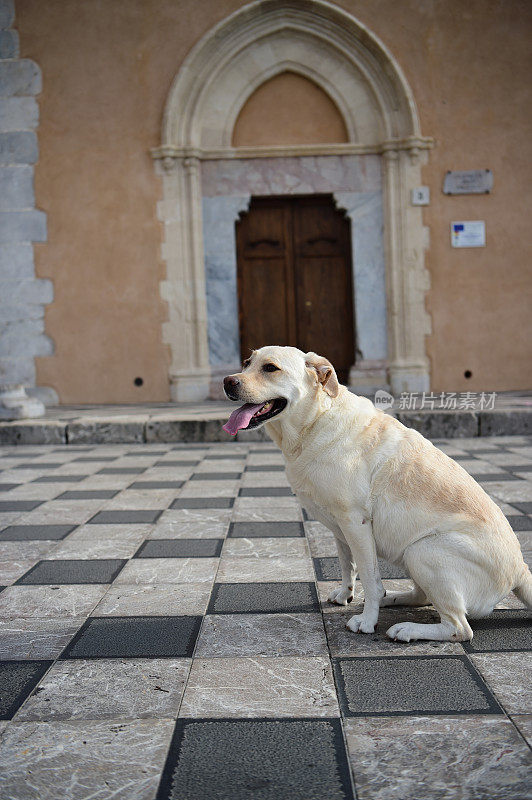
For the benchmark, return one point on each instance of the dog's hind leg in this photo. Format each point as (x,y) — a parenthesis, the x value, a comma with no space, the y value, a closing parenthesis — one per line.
(446,585)
(413,597)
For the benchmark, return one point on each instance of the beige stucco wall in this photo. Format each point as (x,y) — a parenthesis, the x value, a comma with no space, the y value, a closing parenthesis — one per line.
(107,68)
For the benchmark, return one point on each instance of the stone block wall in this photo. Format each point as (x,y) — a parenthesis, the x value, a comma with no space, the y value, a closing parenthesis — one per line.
(22,295)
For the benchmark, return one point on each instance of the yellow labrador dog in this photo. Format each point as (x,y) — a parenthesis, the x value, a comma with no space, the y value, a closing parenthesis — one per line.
(383,490)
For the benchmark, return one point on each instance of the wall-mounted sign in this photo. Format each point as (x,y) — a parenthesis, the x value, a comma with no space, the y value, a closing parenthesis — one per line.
(469,181)
(420,196)
(468,234)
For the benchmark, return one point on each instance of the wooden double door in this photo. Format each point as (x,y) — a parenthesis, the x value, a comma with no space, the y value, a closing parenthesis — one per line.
(295,277)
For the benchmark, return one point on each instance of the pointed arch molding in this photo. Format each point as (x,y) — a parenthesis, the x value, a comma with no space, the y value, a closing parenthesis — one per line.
(330,47)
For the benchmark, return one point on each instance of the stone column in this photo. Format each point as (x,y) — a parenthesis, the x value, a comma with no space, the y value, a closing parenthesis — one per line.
(406,277)
(184,287)
(22,296)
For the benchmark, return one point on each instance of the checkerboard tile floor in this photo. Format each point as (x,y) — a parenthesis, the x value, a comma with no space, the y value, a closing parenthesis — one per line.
(165,633)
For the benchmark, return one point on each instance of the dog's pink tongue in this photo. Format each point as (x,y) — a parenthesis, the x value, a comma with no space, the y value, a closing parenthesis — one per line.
(241,417)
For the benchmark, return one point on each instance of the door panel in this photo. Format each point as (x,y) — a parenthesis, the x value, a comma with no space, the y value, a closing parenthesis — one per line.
(323,322)
(294,277)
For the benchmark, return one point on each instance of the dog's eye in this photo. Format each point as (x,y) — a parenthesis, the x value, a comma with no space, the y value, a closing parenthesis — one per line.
(246,363)
(270,368)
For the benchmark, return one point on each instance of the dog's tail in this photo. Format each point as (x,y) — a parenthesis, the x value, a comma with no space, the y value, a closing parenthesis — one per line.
(523,590)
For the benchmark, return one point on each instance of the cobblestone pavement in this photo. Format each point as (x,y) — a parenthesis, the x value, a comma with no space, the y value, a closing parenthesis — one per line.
(164,632)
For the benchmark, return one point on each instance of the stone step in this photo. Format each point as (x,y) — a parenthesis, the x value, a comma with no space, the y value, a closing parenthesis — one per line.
(206,426)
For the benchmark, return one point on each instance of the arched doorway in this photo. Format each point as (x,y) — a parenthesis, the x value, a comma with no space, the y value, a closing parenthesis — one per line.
(326,45)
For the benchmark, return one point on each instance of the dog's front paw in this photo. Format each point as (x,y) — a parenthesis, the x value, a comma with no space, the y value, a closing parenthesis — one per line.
(360,624)
(402,632)
(341,596)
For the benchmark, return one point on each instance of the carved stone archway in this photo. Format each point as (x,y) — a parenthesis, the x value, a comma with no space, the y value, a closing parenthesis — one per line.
(325,44)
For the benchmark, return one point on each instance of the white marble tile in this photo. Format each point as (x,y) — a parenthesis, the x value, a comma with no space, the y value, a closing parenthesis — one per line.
(508,676)
(78,689)
(192,523)
(76,760)
(36,638)
(265,547)
(50,601)
(321,540)
(258,570)
(106,541)
(11,571)
(140,499)
(34,549)
(160,599)
(168,570)
(255,687)
(210,489)
(437,758)
(278,509)
(509,491)
(68,513)
(237,635)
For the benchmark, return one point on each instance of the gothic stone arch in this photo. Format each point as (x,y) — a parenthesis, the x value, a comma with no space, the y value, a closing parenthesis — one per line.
(331,48)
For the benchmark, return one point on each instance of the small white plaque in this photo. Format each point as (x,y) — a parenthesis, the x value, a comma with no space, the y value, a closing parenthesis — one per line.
(420,196)
(469,181)
(468,234)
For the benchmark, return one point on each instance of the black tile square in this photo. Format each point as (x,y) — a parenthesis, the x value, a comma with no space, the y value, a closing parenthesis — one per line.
(266,468)
(25,533)
(224,457)
(256,759)
(520,522)
(121,470)
(526,508)
(72,448)
(189,446)
(486,477)
(484,451)
(126,517)
(93,459)
(519,468)
(88,494)
(177,463)
(505,630)
(37,465)
(263,598)
(328,569)
(408,685)
(215,476)
(135,637)
(266,491)
(19,505)
(203,502)
(17,681)
(180,548)
(146,452)
(60,478)
(72,571)
(260,530)
(156,485)
(6,487)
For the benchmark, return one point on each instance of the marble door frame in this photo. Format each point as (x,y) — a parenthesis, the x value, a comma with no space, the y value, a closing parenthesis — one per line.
(330,47)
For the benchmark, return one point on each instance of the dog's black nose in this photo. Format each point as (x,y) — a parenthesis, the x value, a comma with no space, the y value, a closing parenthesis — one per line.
(230,384)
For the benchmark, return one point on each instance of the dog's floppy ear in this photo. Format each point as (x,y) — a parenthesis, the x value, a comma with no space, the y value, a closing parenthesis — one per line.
(325,373)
